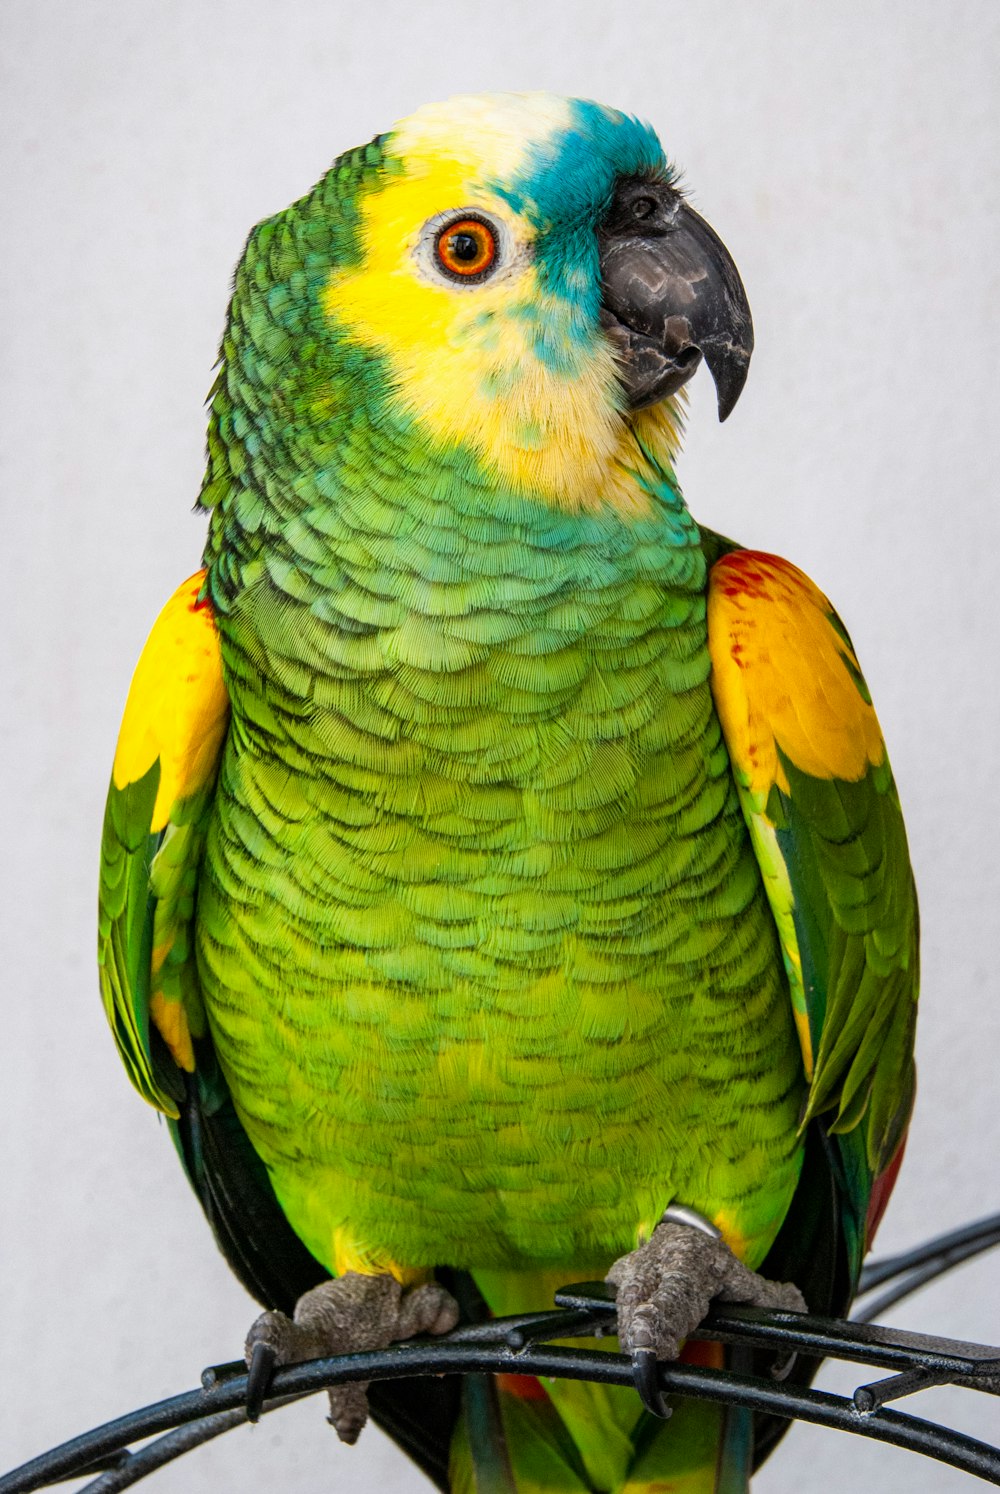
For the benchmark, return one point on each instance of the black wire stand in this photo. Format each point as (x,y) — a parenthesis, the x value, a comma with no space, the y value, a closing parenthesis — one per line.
(907,1362)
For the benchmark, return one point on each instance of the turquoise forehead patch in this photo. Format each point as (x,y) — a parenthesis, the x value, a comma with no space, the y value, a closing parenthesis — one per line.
(564,187)
(570,176)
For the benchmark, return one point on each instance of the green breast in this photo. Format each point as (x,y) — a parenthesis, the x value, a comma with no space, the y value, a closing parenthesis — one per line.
(484,946)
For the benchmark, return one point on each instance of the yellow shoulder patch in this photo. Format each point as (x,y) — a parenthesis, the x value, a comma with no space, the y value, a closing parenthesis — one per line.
(784,676)
(177,708)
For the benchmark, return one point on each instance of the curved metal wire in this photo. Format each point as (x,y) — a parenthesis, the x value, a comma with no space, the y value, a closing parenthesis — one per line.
(520,1346)
(917,1268)
(217,1410)
(979,1236)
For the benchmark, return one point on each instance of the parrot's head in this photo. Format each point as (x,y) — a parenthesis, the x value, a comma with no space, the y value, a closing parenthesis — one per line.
(515,278)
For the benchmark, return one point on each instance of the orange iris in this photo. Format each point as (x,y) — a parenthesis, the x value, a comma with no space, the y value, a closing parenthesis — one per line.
(466,248)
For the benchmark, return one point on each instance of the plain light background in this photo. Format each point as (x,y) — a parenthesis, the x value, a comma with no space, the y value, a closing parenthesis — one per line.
(848,156)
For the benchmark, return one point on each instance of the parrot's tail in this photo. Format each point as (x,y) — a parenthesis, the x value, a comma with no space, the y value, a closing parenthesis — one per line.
(512,1438)
(520,1435)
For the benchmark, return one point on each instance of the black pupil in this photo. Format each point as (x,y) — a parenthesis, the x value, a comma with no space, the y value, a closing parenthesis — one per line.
(643,207)
(464,246)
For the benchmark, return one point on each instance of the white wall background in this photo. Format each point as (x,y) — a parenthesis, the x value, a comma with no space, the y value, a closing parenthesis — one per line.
(848,155)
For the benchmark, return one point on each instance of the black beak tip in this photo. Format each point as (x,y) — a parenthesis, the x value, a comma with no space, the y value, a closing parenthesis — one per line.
(729,370)
(727,403)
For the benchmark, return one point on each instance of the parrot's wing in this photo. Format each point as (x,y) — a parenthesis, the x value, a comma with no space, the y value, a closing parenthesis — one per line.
(158,811)
(161,790)
(820,801)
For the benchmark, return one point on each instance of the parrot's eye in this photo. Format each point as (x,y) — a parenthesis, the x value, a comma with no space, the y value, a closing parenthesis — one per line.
(466,249)
(642,207)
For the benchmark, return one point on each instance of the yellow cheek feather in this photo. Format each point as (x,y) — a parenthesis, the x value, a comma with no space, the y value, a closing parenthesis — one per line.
(463,357)
(177,708)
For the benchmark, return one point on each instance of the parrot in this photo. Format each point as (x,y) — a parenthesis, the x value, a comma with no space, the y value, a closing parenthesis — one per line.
(503,881)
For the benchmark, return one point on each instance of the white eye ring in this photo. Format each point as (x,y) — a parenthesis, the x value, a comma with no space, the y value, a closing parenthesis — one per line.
(505,253)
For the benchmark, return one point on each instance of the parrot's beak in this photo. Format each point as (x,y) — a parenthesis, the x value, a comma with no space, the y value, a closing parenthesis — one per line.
(671,296)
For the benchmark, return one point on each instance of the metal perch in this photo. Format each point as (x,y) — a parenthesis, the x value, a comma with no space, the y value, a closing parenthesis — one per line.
(910,1362)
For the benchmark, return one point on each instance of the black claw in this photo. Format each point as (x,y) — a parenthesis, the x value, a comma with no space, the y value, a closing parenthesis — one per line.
(262,1365)
(644,1374)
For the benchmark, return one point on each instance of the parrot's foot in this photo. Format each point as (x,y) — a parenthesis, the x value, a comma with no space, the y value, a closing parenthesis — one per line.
(344,1316)
(665,1288)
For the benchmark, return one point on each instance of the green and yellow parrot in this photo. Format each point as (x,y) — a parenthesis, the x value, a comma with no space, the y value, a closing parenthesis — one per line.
(496,860)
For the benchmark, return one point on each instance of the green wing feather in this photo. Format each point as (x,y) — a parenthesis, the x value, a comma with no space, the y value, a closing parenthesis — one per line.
(146,903)
(125,935)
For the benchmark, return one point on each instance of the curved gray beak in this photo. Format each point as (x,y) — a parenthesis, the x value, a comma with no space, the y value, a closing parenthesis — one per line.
(671,296)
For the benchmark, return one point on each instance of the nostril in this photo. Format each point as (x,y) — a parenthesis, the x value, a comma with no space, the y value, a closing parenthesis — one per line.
(679,344)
